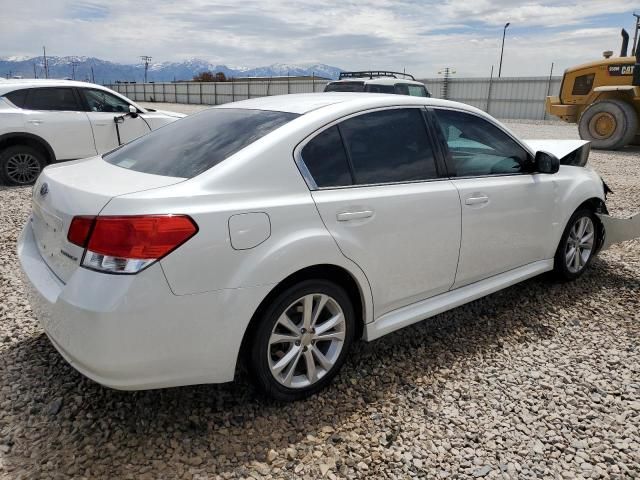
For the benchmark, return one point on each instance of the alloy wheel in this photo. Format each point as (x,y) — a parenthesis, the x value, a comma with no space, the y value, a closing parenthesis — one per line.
(306,340)
(580,243)
(22,168)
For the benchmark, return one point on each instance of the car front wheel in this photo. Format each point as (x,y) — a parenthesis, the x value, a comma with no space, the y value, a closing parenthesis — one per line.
(302,340)
(577,245)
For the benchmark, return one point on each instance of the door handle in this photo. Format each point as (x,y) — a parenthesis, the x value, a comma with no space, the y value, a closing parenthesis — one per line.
(346,216)
(35,121)
(479,200)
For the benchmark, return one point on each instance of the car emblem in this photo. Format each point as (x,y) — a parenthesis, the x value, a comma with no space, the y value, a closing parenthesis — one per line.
(44,189)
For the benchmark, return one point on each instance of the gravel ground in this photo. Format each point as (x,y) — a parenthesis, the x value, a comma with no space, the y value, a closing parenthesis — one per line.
(541,380)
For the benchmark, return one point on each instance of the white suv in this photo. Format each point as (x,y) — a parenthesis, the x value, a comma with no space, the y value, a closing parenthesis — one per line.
(378,82)
(45,121)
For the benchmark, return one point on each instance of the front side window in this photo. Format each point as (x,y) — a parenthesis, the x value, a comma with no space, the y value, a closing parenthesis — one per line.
(417,91)
(194,144)
(54,98)
(478,148)
(326,159)
(389,146)
(100,101)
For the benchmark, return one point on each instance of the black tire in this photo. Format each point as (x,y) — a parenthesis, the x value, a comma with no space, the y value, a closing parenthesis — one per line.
(561,268)
(20,165)
(621,113)
(260,353)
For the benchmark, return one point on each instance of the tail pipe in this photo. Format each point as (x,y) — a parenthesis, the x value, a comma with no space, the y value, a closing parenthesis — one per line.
(625,43)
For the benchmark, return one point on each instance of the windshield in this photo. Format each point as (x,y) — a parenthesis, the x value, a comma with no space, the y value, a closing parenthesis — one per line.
(344,87)
(192,145)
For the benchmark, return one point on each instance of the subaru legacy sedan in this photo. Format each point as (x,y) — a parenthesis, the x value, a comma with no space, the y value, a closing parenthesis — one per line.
(277,231)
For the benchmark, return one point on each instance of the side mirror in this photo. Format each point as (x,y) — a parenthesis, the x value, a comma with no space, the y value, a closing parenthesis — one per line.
(546,163)
(133,111)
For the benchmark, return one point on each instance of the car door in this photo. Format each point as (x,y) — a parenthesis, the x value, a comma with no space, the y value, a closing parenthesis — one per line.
(56,115)
(507,211)
(374,179)
(103,108)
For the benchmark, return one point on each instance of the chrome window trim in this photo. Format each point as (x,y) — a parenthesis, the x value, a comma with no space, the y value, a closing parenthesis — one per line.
(306,174)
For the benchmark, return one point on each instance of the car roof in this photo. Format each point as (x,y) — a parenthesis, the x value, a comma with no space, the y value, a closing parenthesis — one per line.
(16,84)
(302,103)
(379,81)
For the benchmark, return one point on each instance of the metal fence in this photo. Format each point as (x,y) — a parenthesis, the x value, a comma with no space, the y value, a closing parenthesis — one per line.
(513,97)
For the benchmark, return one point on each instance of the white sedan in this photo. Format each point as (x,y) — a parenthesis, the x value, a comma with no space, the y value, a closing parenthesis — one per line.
(47,121)
(279,230)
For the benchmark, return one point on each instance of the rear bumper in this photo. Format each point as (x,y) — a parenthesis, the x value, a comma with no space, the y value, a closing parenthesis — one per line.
(131,332)
(619,229)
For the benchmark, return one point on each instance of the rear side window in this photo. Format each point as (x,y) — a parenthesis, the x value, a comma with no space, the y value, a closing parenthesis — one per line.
(344,87)
(389,146)
(18,97)
(377,88)
(583,84)
(57,98)
(194,144)
(326,159)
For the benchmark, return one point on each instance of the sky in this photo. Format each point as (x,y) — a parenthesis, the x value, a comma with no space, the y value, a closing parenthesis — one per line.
(422,37)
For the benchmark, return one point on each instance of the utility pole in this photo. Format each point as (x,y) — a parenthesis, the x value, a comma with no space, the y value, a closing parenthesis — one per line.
(46,66)
(447,72)
(146,59)
(93,77)
(74,64)
(504,33)
(35,73)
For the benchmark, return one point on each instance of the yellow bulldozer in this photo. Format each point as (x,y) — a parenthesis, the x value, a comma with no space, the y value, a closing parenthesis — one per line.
(603,97)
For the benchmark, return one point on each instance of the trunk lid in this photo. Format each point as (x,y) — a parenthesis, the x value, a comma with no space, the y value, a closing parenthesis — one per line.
(81,187)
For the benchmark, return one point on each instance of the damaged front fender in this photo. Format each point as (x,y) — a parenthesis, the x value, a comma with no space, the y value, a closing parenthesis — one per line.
(618,230)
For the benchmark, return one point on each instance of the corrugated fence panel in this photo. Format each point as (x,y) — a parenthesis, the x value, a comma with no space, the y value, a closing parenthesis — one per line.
(507,97)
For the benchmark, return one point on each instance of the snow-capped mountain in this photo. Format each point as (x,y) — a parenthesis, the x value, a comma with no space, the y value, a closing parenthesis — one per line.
(103,71)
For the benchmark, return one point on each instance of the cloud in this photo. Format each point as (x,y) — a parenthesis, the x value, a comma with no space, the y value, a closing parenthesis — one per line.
(421,36)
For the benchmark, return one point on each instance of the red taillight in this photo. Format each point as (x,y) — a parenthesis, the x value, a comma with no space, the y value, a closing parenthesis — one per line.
(128,244)
(140,237)
(79,230)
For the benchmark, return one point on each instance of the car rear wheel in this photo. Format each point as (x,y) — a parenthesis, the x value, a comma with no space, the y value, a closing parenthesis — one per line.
(20,165)
(577,245)
(302,340)
(609,124)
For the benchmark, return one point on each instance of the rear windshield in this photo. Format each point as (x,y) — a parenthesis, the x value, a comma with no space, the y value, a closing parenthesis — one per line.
(344,87)
(196,143)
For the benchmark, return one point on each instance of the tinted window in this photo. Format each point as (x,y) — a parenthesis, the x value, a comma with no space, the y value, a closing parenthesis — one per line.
(389,146)
(401,89)
(583,84)
(477,147)
(100,101)
(376,88)
(190,146)
(62,99)
(344,87)
(17,97)
(326,159)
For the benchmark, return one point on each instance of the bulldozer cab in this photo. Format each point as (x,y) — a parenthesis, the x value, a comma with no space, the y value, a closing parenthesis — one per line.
(603,97)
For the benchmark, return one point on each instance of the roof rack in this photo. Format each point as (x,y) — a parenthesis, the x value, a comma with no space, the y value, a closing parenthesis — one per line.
(374,73)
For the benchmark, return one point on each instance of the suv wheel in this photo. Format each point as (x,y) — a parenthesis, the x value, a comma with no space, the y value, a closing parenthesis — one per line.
(21,165)
(302,340)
